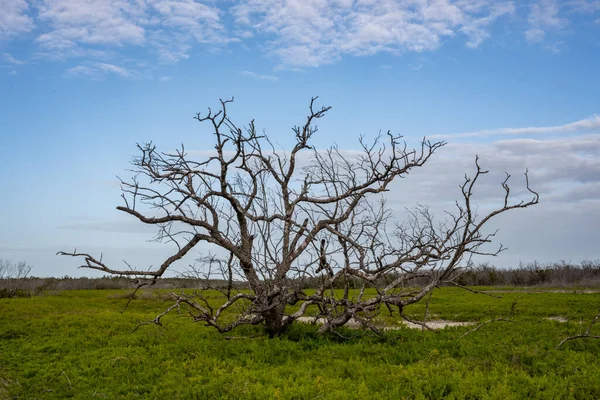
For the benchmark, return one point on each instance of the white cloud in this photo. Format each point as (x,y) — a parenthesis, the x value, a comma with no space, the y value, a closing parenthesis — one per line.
(254,75)
(165,78)
(14,19)
(100,70)
(584,6)
(183,23)
(565,172)
(82,70)
(113,69)
(189,15)
(477,30)
(169,28)
(296,33)
(12,60)
(315,32)
(534,35)
(562,169)
(587,124)
(113,22)
(543,16)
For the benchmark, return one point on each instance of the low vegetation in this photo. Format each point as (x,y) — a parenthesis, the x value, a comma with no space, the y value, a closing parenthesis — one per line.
(76,344)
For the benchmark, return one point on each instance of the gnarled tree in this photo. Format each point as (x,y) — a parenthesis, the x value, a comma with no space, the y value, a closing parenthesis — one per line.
(281,221)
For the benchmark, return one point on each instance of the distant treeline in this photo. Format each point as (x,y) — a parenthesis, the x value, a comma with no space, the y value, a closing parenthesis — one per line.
(25,287)
(558,274)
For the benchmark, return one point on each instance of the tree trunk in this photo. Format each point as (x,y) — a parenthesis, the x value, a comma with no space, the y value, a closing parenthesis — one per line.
(274,320)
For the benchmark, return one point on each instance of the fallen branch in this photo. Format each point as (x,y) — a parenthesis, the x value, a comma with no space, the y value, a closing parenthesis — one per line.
(585,335)
(483,324)
(500,319)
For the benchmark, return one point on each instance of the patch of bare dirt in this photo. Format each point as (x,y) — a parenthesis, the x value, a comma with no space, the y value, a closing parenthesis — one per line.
(437,324)
(557,319)
(353,324)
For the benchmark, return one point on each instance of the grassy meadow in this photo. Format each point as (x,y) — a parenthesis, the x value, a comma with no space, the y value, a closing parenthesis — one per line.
(77,344)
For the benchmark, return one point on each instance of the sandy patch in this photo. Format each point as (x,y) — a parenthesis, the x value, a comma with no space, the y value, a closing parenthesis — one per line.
(557,319)
(437,324)
(354,324)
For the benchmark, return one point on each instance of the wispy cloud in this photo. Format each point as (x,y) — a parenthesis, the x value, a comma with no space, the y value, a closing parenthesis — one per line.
(12,60)
(584,6)
(82,70)
(543,16)
(254,75)
(100,70)
(113,69)
(588,124)
(477,29)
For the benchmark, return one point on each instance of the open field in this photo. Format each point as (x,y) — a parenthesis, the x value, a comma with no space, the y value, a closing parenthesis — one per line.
(76,344)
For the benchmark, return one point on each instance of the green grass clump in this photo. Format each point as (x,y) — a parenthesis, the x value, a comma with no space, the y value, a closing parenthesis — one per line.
(77,344)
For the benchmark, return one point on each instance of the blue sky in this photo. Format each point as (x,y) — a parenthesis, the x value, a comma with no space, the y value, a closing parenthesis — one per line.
(82,81)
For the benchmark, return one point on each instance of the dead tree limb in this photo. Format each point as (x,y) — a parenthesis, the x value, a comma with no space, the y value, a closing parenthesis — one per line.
(509,318)
(585,335)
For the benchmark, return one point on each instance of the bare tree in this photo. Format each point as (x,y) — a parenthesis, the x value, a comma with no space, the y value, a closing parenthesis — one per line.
(280,221)
(9,270)
(10,275)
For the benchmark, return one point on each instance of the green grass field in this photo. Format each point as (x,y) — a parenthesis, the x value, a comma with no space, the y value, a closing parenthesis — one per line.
(77,344)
